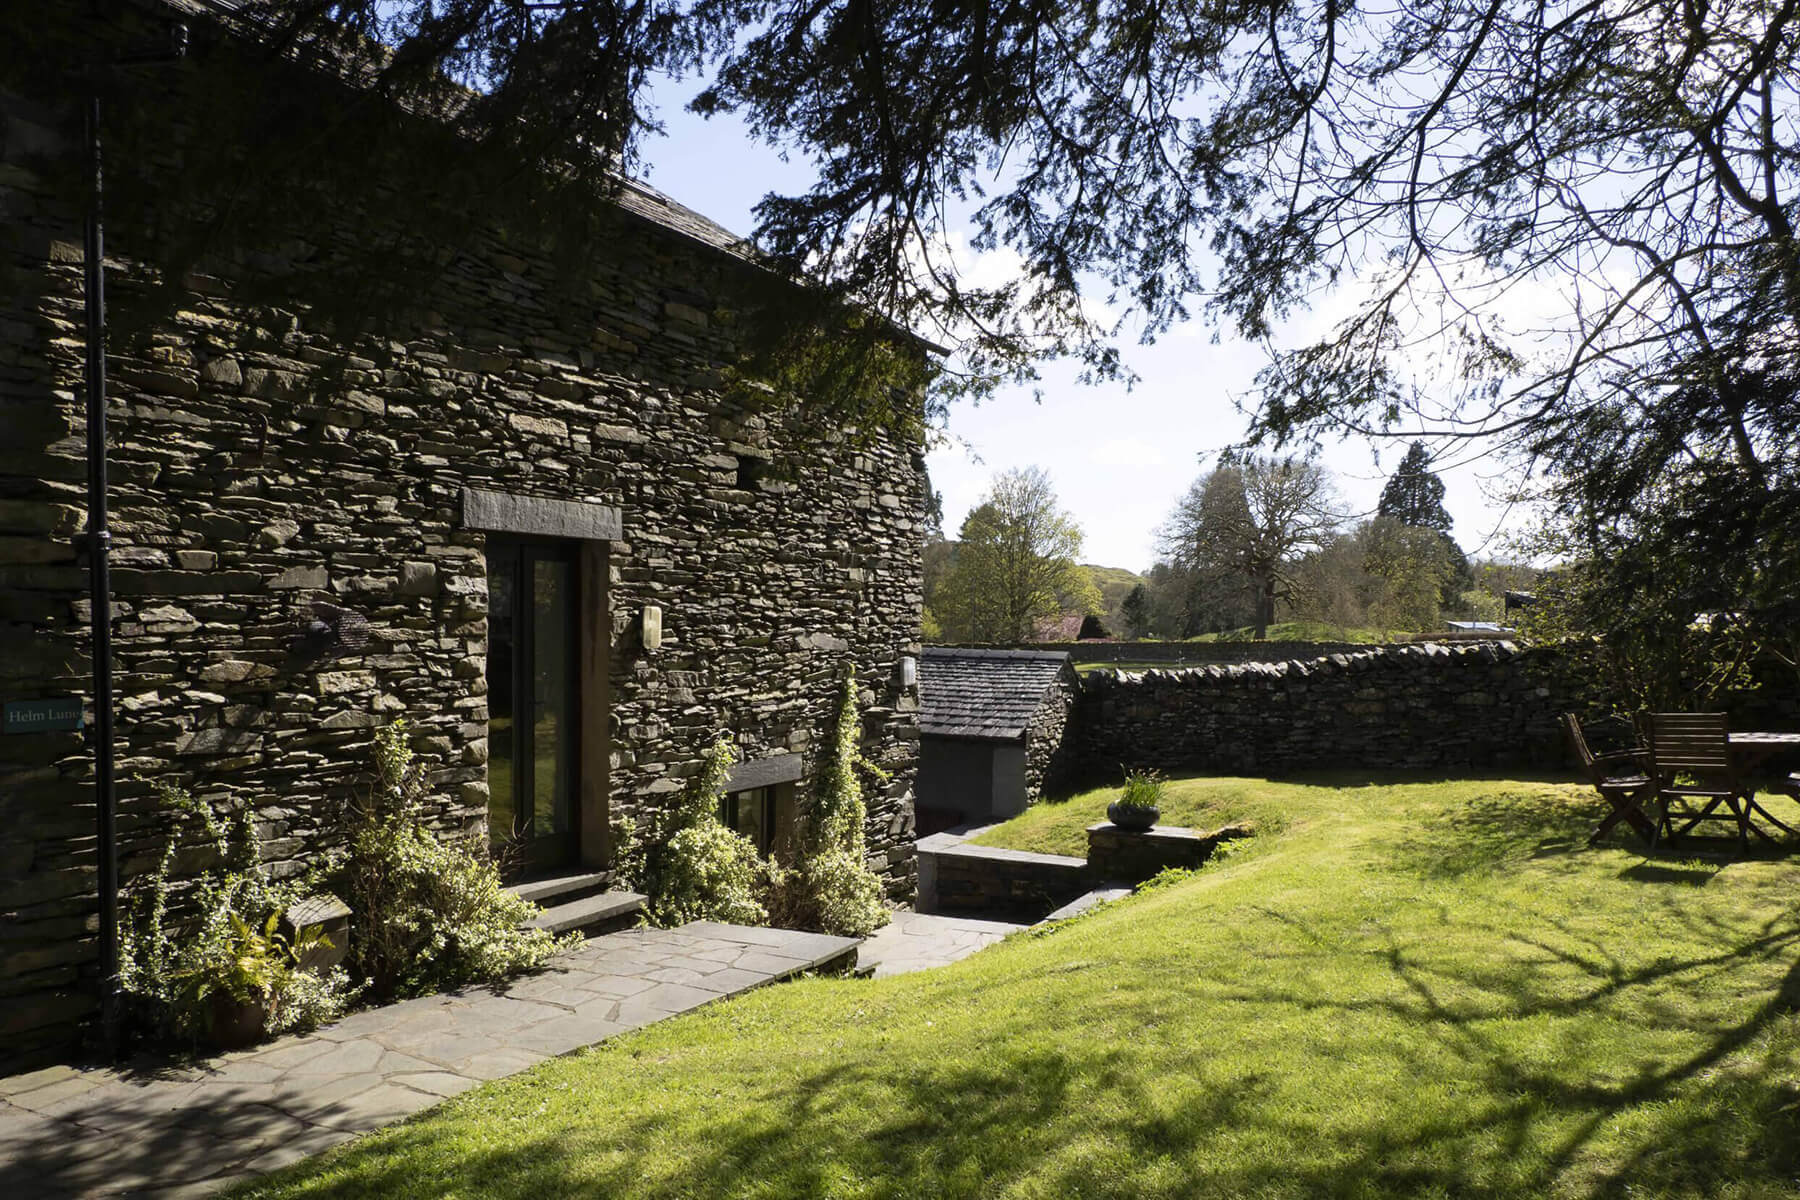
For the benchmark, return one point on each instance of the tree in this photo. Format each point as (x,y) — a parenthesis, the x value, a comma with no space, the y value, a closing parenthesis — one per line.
(1414,495)
(1414,567)
(940,556)
(1254,518)
(1636,166)
(1015,557)
(1136,610)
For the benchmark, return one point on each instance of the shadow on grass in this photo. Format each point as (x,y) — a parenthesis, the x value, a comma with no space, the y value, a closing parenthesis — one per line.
(1558,1055)
(1709,1104)
(1490,831)
(1682,874)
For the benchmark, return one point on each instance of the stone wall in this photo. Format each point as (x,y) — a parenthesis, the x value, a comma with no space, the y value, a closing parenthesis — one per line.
(1487,705)
(990,881)
(262,464)
(1134,855)
(1049,746)
(1183,653)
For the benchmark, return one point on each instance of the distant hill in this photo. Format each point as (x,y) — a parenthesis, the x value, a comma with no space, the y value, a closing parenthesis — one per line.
(1115,583)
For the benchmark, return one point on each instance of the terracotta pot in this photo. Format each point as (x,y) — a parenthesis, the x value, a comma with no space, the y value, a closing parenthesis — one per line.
(233,1023)
(1132,817)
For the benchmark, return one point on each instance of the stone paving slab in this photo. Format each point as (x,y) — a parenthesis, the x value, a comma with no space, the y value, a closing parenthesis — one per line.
(915,941)
(188,1129)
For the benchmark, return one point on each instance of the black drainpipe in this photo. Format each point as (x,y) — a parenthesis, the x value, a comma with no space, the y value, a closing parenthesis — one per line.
(99,542)
(99,547)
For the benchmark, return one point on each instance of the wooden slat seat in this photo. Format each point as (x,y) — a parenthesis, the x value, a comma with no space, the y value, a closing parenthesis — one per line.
(1690,757)
(1622,779)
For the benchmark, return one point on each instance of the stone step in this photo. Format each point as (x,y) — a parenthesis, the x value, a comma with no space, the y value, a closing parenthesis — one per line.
(1081,904)
(817,953)
(591,914)
(560,889)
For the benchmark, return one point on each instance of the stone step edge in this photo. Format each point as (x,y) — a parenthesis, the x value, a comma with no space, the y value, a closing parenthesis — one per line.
(1083,903)
(572,886)
(588,911)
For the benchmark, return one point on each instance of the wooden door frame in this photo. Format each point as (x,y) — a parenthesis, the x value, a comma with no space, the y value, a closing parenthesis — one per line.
(592,527)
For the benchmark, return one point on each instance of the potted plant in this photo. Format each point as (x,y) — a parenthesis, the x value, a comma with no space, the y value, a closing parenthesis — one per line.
(233,990)
(1138,805)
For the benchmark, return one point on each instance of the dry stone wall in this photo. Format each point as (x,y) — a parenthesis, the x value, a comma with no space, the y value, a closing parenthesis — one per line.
(1182,653)
(1410,707)
(1423,707)
(1049,748)
(263,465)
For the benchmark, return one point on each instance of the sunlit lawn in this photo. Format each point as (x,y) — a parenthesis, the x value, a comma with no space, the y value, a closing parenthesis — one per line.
(1415,989)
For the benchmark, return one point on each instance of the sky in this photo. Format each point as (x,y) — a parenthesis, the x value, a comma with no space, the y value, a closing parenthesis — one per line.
(1119,458)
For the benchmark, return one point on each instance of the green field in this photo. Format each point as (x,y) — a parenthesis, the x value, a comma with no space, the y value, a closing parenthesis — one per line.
(1304,631)
(1398,988)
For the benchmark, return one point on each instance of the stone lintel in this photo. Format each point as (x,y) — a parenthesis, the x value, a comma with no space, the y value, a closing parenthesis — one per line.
(766,772)
(534,516)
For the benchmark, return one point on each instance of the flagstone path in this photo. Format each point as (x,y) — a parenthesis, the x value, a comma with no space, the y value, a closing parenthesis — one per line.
(914,941)
(191,1129)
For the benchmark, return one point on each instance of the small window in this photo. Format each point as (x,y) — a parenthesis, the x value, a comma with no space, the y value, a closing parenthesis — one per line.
(761,814)
(750,471)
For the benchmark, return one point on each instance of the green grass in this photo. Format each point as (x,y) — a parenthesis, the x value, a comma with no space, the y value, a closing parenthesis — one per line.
(1397,989)
(1206,803)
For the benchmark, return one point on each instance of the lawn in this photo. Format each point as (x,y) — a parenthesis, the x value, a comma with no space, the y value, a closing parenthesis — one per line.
(1407,989)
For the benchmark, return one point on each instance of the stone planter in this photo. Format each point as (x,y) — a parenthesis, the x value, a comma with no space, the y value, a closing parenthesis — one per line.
(233,1024)
(1132,817)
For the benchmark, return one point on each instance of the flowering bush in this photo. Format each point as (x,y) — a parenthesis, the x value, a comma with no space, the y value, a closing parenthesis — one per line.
(832,888)
(181,944)
(430,912)
(688,863)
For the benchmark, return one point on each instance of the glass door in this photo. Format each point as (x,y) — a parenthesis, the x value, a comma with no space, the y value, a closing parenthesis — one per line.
(533,686)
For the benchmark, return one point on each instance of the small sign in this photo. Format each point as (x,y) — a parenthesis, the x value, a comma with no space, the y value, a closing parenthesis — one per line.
(652,627)
(42,716)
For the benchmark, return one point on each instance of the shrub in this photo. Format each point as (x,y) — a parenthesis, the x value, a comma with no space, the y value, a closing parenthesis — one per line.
(831,888)
(430,913)
(687,862)
(180,945)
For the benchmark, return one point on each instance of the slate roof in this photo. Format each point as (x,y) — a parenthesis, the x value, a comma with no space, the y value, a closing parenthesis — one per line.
(634,195)
(988,695)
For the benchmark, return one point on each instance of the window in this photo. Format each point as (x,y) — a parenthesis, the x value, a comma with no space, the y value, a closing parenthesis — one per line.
(765,815)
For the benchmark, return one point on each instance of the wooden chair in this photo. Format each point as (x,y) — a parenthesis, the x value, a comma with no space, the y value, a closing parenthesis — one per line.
(1690,757)
(1621,779)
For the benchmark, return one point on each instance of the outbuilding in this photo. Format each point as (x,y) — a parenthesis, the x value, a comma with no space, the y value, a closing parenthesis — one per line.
(992,726)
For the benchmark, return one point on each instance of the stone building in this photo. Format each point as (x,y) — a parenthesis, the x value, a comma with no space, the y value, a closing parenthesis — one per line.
(541,530)
(993,732)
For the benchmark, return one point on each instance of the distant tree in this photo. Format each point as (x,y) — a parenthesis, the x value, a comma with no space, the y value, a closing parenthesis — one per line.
(1333,584)
(1136,610)
(1414,566)
(1093,628)
(939,557)
(1015,559)
(1079,594)
(1414,495)
(1254,519)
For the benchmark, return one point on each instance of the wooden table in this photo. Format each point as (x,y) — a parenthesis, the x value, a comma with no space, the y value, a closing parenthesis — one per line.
(1753,747)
